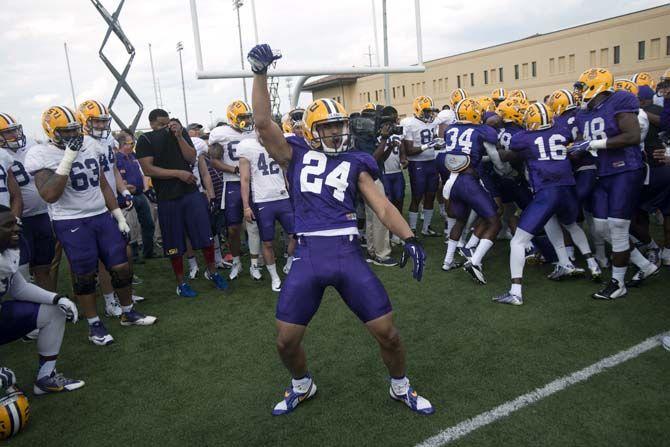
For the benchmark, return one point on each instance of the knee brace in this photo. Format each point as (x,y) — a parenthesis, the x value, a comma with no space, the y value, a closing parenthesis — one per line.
(85,284)
(619,232)
(121,278)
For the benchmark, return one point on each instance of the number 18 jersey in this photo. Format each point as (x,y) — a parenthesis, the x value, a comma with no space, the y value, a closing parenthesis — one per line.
(324,188)
(33,204)
(82,196)
(267,178)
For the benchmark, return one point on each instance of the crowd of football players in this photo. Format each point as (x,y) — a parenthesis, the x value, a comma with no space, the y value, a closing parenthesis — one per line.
(587,167)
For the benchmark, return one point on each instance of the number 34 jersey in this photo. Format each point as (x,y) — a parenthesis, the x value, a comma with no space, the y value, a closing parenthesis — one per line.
(33,204)
(324,188)
(82,196)
(229,138)
(267,178)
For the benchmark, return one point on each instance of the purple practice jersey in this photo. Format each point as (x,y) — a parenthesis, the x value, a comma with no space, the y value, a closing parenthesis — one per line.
(469,139)
(600,123)
(567,119)
(323,188)
(545,154)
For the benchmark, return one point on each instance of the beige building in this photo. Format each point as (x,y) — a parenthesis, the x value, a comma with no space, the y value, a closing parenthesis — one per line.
(539,64)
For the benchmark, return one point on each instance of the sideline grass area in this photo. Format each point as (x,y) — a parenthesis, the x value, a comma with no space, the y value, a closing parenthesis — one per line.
(208,373)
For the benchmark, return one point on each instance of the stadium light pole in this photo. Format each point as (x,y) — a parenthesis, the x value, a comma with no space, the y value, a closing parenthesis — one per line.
(211,121)
(237,4)
(69,73)
(180,47)
(153,75)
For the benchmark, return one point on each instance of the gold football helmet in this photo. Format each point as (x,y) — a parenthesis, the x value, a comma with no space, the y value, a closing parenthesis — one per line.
(561,100)
(423,108)
(592,82)
(368,106)
(457,96)
(320,114)
(626,85)
(14,413)
(469,111)
(538,117)
(62,127)
(95,119)
(499,95)
(292,119)
(239,116)
(487,103)
(11,133)
(512,110)
(518,93)
(643,78)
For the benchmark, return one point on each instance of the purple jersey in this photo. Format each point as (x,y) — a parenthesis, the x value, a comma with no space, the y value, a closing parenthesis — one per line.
(323,188)
(469,139)
(567,119)
(545,155)
(600,123)
(506,133)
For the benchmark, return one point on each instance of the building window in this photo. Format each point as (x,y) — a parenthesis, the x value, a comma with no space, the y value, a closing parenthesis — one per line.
(571,63)
(604,57)
(640,50)
(667,46)
(394,92)
(440,85)
(500,74)
(533,69)
(486,77)
(552,65)
(592,58)
(524,71)
(423,87)
(655,50)
(472,79)
(368,96)
(403,91)
(458,81)
(561,64)
(617,54)
(516,71)
(376,95)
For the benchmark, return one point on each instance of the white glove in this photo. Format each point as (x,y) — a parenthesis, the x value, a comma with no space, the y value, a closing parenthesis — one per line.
(66,162)
(129,199)
(121,221)
(69,308)
(7,377)
(439,143)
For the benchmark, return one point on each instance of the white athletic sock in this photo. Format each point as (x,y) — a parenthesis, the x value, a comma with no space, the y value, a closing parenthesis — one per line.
(218,258)
(571,251)
(482,248)
(592,263)
(272,269)
(192,263)
(619,273)
(109,298)
(451,250)
(254,262)
(93,320)
(301,385)
(427,218)
(127,309)
(413,218)
(516,290)
(236,260)
(640,261)
(46,369)
(400,386)
(289,262)
(555,235)
(472,243)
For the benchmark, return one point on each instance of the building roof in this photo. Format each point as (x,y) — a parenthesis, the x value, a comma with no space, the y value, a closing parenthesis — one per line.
(328,81)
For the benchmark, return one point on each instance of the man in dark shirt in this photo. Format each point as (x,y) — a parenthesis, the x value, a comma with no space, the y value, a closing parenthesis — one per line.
(166,154)
(132,174)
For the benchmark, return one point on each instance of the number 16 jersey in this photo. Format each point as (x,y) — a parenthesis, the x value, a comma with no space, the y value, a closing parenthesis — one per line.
(324,188)
(82,196)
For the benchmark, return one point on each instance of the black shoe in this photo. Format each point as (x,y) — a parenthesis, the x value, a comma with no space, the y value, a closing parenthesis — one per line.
(611,291)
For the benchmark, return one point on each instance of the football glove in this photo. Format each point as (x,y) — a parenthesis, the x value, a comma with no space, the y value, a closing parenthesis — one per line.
(121,222)
(151,195)
(261,57)
(7,377)
(65,165)
(580,147)
(67,307)
(439,143)
(128,198)
(413,249)
(435,144)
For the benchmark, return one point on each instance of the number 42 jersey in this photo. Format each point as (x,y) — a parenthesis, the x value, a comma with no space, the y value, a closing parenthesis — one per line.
(324,188)
(82,196)
(267,178)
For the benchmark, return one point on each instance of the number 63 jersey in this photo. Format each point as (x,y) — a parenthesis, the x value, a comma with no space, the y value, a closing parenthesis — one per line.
(324,188)
(82,196)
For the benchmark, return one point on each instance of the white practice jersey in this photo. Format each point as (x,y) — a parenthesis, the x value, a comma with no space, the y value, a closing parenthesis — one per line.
(200,148)
(229,138)
(419,133)
(6,162)
(82,196)
(643,119)
(392,163)
(267,178)
(108,148)
(33,204)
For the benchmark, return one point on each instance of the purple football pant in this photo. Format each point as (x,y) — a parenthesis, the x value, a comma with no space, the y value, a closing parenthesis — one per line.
(269,212)
(514,191)
(88,239)
(467,192)
(185,216)
(586,183)
(617,195)
(394,186)
(441,166)
(322,261)
(233,209)
(558,200)
(38,243)
(17,318)
(656,195)
(423,177)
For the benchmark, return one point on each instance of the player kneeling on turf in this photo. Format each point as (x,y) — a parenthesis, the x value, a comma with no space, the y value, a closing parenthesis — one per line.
(324,179)
(31,308)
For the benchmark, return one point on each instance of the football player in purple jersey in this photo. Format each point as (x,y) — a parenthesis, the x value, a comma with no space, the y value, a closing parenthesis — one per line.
(324,179)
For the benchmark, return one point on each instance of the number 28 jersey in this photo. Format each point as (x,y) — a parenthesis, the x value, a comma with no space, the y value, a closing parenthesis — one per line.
(267,178)
(229,138)
(82,196)
(33,204)
(324,188)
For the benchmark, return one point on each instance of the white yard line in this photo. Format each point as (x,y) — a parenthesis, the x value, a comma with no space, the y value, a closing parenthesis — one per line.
(469,425)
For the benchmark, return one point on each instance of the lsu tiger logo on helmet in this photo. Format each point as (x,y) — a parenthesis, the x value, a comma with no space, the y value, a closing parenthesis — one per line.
(95,119)
(487,103)
(326,126)
(368,106)
(643,78)
(499,95)
(512,110)
(457,96)
(626,85)
(561,101)
(469,111)
(423,108)
(538,117)
(239,116)
(11,133)
(292,120)
(62,127)
(14,413)
(518,93)
(592,82)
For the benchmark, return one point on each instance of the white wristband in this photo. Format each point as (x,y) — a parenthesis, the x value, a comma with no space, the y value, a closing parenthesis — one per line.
(598,144)
(66,162)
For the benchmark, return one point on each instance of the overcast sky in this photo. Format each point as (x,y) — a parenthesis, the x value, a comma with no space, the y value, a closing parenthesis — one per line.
(34,74)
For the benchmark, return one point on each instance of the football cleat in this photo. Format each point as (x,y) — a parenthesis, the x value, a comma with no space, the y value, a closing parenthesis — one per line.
(475,271)
(185,290)
(292,399)
(665,256)
(235,270)
(113,308)
(596,273)
(137,280)
(276,285)
(465,252)
(429,233)
(611,291)
(134,318)
(565,271)
(138,299)
(639,277)
(451,266)
(218,280)
(388,262)
(193,273)
(654,256)
(665,341)
(56,383)
(255,273)
(509,298)
(98,335)
(415,402)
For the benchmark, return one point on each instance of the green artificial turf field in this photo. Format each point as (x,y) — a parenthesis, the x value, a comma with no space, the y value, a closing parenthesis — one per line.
(208,373)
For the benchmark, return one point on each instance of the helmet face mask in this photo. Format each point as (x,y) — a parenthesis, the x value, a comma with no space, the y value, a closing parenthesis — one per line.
(70,136)
(331,136)
(13,137)
(244,122)
(98,127)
